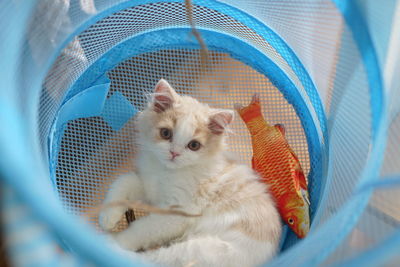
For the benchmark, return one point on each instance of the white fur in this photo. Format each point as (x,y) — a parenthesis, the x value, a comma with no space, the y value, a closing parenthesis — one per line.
(202,182)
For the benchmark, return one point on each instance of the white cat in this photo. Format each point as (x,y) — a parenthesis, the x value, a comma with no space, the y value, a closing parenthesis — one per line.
(182,162)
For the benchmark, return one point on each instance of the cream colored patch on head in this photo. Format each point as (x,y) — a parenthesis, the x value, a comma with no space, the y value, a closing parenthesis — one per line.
(165,119)
(188,119)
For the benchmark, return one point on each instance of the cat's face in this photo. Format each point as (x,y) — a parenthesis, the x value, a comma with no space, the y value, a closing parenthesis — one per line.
(179,130)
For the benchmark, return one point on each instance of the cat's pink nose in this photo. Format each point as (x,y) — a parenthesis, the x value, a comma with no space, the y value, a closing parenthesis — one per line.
(174,154)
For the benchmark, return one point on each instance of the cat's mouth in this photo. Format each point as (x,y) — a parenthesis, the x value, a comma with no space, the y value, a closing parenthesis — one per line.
(171,164)
(173,160)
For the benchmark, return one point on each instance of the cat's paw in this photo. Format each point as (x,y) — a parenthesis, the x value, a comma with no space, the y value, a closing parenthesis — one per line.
(127,241)
(109,218)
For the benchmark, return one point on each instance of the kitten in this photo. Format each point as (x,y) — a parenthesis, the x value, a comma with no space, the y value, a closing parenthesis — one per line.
(182,161)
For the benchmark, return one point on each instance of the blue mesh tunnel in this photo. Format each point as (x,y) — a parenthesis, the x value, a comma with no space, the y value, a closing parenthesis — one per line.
(75,72)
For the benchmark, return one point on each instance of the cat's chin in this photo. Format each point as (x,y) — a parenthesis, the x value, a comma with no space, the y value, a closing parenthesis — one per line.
(172,164)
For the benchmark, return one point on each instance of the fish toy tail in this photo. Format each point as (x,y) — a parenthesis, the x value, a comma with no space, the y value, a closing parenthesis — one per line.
(252,111)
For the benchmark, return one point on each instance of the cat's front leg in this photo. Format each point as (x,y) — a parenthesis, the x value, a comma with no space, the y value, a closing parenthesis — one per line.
(152,231)
(125,187)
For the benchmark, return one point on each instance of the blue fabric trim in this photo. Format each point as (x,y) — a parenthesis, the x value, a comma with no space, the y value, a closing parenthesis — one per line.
(54,144)
(32,187)
(12,36)
(178,38)
(26,222)
(359,28)
(117,111)
(384,182)
(279,45)
(260,28)
(273,38)
(285,230)
(378,255)
(131,3)
(359,202)
(88,103)
(84,240)
(40,240)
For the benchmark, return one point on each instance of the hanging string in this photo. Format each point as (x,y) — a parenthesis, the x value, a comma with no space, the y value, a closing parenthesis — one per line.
(204,54)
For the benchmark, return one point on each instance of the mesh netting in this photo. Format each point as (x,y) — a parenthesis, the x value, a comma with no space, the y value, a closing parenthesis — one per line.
(100,37)
(92,154)
(313,30)
(319,66)
(349,127)
(381,218)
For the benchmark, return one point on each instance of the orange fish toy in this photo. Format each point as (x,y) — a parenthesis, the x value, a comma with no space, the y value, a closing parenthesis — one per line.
(278,167)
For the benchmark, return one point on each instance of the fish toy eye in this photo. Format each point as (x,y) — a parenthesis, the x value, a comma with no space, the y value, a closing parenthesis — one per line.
(290,221)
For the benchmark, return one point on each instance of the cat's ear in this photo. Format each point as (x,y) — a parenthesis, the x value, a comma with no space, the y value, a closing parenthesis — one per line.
(220,120)
(164,96)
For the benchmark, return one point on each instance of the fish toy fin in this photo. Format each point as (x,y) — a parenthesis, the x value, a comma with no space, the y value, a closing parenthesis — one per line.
(299,174)
(281,128)
(300,177)
(304,194)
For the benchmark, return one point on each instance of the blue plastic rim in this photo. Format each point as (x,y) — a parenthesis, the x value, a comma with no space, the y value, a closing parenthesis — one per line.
(245,19)
(315,128)
(273,39)
(83,239)
(265,66)
(177,38)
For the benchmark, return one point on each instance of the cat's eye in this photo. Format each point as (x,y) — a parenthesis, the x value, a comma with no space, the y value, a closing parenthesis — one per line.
(194,145)
(290,221)
(166,133)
